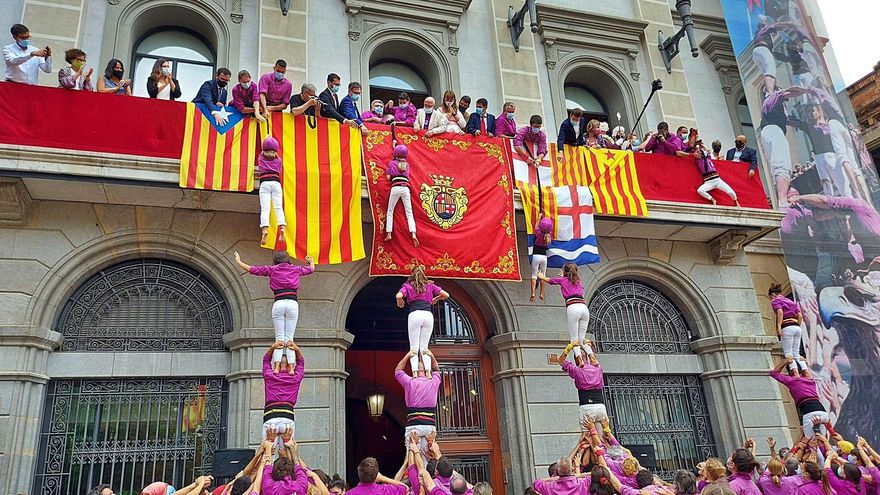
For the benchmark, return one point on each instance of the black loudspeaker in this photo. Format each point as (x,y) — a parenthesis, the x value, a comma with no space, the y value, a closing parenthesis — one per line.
(644,454)
(228,462)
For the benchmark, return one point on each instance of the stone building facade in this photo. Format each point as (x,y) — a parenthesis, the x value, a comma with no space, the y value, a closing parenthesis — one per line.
(865,97)
(102,255)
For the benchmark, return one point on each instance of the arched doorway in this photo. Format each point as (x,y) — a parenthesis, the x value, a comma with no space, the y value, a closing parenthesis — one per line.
(191,55)
(467,422)
(399,65)
(597,93)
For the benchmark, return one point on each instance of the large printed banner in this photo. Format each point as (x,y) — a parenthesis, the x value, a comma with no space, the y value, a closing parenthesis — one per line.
(462,201)
(827,185)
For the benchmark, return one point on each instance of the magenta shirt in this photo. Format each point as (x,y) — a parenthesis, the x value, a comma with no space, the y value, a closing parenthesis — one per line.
(282,275)
(505,126)
(563,485)
(369,114)
(587,378)
(810,487)
(800,387)
(282,386)
(419,392)
(406,115)
(277,92)
(410,294)
(266,166)
(843,487)
(789,308)
(787,484)
(241,97)
(668,147)
(375,489)
(545,226)
(742,484)
(874,486)
(393,169)
(616,467)
(299,484)
(525,135)
(568,289)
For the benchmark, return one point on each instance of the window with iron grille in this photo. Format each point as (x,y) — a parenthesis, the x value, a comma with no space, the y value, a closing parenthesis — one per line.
(460,406)
(628,316)
(129,433)
(145,305)
(666,411)
(474,468)
(453,324)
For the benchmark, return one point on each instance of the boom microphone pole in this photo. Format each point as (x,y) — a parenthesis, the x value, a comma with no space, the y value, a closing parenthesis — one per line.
(656,85)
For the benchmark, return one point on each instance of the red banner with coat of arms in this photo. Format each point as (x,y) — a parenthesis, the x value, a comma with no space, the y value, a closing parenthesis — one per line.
(461,193)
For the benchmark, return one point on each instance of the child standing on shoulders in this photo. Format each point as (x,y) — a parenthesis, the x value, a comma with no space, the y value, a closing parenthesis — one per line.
(788,327)
(284,282)
(397,174)
(575,306)
(543,235)
(269,166)
(420,293)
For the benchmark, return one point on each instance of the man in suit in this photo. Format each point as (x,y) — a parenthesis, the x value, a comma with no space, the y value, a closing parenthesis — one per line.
(481,122)
(330,101)
(213,94)
(430,120)
(348,106)
(305,101)
(742,153)
(572,130)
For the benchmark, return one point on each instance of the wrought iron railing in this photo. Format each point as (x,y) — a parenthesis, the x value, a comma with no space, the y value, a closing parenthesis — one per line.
(474,468)
(460,406)
(453,324)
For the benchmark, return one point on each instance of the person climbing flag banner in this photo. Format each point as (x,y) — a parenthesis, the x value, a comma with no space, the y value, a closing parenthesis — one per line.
(218,158)
(462,201)
(321,181)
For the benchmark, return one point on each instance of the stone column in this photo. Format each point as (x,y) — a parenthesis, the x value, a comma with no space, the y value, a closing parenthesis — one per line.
(24,354)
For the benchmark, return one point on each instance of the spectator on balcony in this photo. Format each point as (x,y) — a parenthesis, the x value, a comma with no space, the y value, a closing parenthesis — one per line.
(742,153)
(595,137)
(456,121)
(716,151)
(305,101)
(404,114)
(74,76)
(664,143)
(113,82)
(376,113)
(246,96)
(463,104)
(161,84)
(23,61)
(572,130)
(429,119)
(213,95)
(275,89)
(606,138)
(505,125)
(348,106)
(481,122)
(330,101)
(631,143)
(531,143)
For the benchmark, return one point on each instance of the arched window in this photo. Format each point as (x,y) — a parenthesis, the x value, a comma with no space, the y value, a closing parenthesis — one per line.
(631,317)
(389,77)
(192,59)
(145,305)
(578,96)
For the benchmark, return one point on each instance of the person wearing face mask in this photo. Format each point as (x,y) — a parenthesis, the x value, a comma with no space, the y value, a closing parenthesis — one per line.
(330,101)
(274,89)
(213,94)
(603,133)
(23,61)
(161,85)
(505,125)
(375,114)
(631,143)
(454,117)
(481,122)
(246,96)
(348,105)
(530,142)
(742,153)
(404,114)
(463,104)
(74,76)
(112,82)
(716,151)
(665,143)
(430,120)
(682,133)
(618,135)
(572,131)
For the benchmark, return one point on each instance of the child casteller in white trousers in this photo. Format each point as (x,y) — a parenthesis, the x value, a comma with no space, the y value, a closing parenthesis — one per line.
(284,282)
(577,313)
(397,174)
(788,327)
(420,293)
(543,235)
(711,179)
(269,166)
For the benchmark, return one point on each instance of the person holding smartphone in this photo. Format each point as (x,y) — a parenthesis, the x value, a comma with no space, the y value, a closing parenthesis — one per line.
(23,61)
(113,82)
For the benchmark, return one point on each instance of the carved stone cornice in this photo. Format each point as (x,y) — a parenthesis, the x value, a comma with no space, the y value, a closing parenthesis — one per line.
(715,25)
(720,52)
(438,11)
(583,30)
(724,247)
(15,202)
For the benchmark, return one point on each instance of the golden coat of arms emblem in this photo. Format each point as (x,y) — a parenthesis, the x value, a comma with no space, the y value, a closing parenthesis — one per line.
(444,204)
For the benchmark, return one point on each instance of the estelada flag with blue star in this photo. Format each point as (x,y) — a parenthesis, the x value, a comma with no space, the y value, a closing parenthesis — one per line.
(218,158)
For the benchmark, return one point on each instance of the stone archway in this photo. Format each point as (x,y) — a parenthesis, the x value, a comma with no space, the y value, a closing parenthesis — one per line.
(602,78)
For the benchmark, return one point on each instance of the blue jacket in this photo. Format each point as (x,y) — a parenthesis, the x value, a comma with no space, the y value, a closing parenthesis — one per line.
(473,124)
(747,155)
(568,135)
(209,94)
(348,108)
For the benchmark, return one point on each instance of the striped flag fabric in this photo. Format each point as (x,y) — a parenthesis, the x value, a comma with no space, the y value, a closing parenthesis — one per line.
(571,208)
(610,174)
(321,181)
(218,158)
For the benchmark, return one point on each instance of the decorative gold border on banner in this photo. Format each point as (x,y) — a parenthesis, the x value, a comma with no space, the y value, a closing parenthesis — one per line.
(505,263)
(375,138)
(474,267)
(384,259)
(446,263)
(503,183)
(493,151)
(435,144)
(506,224)
(462,145)
(375,171)
(407,139)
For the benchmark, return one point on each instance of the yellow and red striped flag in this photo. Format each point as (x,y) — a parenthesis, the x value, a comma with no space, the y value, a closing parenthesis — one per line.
(321,180)
(610,174)
(218,158)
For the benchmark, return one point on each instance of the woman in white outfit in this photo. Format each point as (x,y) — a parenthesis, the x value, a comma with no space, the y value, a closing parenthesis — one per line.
(420,294)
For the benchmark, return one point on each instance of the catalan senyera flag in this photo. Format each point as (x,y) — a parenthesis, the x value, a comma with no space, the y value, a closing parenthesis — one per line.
(218,158)
(610,174)
(321,180)
(194,411)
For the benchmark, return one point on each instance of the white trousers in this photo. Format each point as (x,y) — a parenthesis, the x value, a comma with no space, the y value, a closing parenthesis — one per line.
(776,148)
(281,425)
(716,183)
(578,316)
(271,195)
(422,431)
(764,59)
(596,412)
(285,313)
(399,193)
(808,423)
(791,341)
(841,139)
(539,265)
(828,167)
(420,324)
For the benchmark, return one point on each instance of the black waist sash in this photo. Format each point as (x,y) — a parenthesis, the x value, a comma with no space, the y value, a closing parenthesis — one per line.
(790,322)
(574,300)
(419,306)
(809,405)
(399,180)
(274,410)
(270,177)
(710,175)
(593,396)
(421,416)
(284,293)
(542,250)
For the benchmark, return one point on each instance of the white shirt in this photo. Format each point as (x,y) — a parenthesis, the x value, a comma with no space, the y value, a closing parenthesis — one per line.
(22,67)
(737,154)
